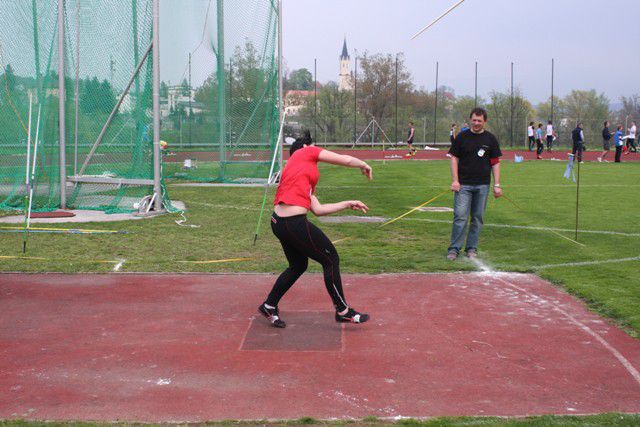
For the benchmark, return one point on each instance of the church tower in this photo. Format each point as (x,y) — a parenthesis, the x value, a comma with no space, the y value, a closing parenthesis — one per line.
(345,80)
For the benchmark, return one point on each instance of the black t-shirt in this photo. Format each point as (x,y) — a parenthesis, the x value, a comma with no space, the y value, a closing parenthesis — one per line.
(475,151)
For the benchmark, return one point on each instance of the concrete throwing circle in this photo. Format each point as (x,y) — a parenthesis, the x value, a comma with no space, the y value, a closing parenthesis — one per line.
(436,209)
(351,218)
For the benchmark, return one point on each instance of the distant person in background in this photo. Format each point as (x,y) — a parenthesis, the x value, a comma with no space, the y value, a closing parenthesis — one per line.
(411,134)
(577,135)
(606,142)
(531,136)
(631,138)
(617,139)
(452,132)
(465,126)
(551,135)
(539,141)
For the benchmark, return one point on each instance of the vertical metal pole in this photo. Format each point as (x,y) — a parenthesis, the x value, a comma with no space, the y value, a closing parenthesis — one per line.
(222,114)
(190,108)
(61,107)
(396,90)
(355,102)
(281,111)
(575,159)
(315,98)
(475,97)
(552,77)
(77,90)
(435,110)
(36,48)
(230,109)
(511,125)
(156,106)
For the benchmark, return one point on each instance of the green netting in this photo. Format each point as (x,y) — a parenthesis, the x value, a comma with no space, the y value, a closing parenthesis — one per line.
(218,96)
(103,44)
(28,65)
(220,101)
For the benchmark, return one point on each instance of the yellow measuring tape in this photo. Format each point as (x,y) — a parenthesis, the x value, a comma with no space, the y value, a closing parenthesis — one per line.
(416,208)
(217,261)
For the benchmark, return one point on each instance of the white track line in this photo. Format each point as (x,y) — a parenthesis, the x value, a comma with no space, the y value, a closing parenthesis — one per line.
(577,264)
(119,264)
(529,227)
(444,185)
(623,360)
(243,208)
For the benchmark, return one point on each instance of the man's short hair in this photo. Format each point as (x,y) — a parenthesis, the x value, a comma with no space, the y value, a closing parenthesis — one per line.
(479,112)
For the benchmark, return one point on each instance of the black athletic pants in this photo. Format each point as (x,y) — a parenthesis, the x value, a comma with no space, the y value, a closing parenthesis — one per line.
(618,153)
(549,142)
(540,146)
(300,241)
(578,147)
(532,143)
(631,145)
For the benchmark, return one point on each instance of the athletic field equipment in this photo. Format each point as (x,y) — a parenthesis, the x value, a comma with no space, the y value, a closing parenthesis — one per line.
(437,19)
(415,209)
(102,95)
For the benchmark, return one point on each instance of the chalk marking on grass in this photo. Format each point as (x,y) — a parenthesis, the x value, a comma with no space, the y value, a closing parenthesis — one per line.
(119,264)
(217,261)
(341,240)
(326,187)
(537,228)
(623,360)
(582,263)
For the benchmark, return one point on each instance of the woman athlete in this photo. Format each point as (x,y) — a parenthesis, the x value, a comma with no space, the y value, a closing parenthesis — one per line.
(301,239)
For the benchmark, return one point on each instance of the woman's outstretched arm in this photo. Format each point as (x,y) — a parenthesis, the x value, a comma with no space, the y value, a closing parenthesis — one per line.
(319,209)
(344,160)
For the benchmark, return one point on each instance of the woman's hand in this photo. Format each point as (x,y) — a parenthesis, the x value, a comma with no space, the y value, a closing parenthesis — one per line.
(356,205)
(367,171)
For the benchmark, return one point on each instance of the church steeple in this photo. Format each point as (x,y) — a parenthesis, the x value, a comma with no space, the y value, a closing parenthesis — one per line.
(345,53)
(345,78)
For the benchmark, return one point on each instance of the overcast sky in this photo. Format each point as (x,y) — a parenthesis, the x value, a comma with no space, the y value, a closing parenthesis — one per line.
(594,42)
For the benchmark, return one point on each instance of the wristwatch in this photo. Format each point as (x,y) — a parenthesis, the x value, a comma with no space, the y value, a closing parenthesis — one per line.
(496,185)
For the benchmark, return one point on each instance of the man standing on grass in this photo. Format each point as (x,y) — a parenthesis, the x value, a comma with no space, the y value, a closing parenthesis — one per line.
(551,135)
(577,135)
(617,139)
(606,142)
(475,154)
(410,135)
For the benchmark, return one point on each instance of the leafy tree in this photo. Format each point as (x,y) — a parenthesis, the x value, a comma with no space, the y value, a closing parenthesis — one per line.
(508,119)
(301,79)
(376,85)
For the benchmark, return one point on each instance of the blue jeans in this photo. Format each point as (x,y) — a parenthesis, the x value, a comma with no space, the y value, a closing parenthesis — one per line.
(471,199)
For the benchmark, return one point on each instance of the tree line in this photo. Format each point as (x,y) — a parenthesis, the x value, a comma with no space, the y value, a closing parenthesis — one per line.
(332,116)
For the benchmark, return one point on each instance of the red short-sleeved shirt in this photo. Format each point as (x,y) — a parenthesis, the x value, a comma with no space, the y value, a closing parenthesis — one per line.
(299,178)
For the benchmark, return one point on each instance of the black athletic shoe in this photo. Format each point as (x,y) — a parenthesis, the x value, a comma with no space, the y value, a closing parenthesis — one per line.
(352,316)
(272,315)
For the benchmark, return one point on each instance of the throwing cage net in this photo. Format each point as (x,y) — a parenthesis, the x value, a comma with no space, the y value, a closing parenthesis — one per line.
(218,97)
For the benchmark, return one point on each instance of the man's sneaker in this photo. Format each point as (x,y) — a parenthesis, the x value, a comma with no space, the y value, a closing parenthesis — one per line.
(272,315)
(452,256)
(351,316)
(599,159)
(472,253)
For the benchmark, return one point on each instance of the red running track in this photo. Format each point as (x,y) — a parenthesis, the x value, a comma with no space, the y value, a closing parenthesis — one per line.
(191,348)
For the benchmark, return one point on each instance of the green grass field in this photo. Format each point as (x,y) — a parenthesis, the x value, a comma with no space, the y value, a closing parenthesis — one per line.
(227,218)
